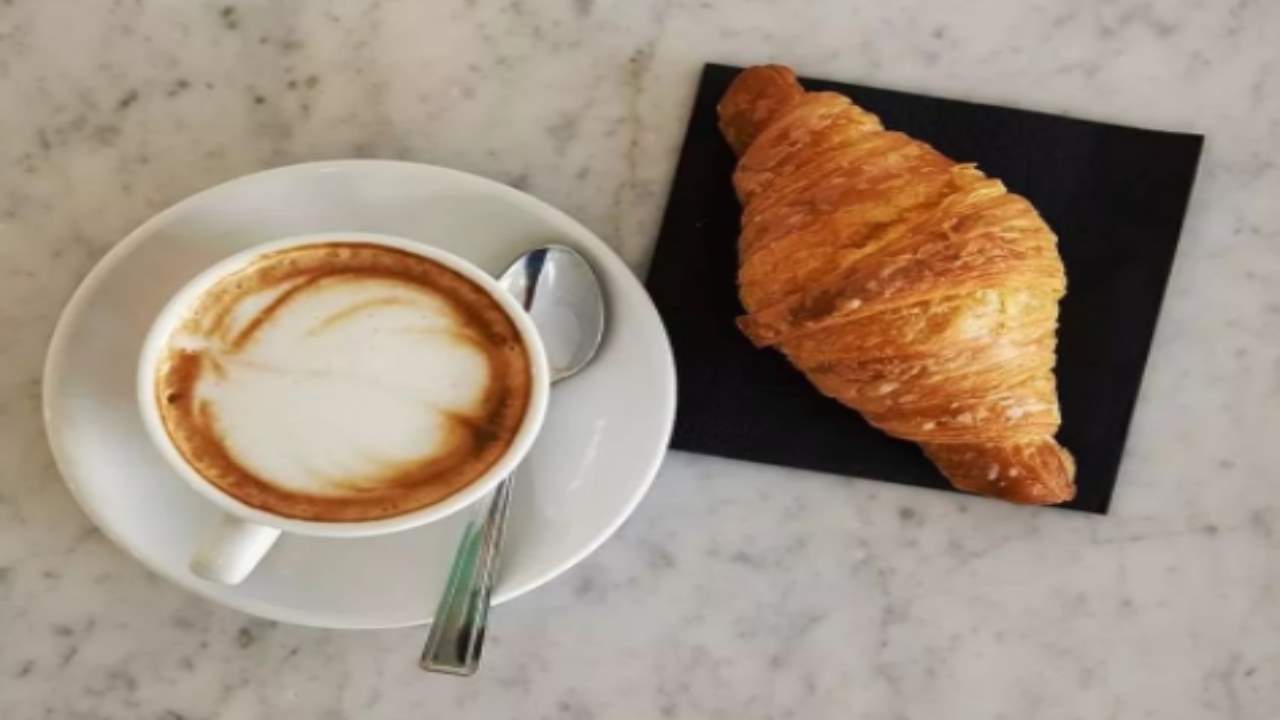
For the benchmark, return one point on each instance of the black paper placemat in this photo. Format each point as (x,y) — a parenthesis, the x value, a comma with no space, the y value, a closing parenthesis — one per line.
(1115,196)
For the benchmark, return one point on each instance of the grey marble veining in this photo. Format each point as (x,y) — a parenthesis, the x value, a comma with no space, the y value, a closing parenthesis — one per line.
(736,591)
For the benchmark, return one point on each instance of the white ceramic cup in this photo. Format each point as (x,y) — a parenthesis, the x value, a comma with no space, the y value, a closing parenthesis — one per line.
(234,545)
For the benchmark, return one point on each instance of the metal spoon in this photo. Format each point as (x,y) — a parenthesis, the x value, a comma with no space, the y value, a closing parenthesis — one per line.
(560,290)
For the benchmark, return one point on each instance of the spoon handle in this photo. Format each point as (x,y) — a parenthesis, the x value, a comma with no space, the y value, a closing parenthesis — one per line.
(457,632)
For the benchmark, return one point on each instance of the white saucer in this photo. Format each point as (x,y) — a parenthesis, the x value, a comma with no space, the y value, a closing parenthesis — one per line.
(605,434)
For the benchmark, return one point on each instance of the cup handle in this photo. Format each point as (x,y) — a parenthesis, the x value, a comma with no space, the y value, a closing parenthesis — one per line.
(231,549)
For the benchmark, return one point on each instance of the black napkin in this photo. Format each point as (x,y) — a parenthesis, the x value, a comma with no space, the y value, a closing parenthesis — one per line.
(1115,196)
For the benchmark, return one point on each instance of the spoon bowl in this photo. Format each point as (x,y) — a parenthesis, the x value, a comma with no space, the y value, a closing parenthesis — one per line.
(560,291)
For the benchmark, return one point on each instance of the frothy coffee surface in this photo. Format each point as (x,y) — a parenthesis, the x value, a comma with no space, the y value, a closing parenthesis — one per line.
(343,382)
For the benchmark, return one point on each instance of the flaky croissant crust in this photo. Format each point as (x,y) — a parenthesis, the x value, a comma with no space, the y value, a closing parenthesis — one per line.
(907,286)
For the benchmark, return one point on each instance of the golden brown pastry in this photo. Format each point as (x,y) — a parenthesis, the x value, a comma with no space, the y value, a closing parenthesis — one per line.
(909,287)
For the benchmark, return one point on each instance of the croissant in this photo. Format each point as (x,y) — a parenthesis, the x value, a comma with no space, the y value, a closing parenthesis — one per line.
(911,288)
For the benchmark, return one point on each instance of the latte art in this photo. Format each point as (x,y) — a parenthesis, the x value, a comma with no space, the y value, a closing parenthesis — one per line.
(343,382)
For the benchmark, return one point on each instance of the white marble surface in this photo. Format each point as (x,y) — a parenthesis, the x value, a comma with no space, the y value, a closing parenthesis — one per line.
(736,591)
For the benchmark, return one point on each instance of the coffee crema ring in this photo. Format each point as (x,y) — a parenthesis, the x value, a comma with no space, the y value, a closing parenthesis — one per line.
(343,382)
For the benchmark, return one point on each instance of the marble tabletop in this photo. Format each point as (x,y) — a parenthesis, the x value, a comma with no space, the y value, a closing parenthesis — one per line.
(736,591)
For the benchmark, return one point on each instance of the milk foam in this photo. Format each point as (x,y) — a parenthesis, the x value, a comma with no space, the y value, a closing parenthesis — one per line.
(346,380)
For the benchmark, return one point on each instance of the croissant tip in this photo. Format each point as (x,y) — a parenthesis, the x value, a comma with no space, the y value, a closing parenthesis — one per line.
(1028,472)
(754,98)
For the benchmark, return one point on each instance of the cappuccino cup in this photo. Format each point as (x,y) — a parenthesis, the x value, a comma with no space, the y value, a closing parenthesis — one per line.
(341,385)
